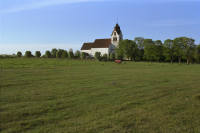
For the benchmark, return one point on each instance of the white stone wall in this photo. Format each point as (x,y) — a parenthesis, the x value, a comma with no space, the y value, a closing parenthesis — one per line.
(102,50)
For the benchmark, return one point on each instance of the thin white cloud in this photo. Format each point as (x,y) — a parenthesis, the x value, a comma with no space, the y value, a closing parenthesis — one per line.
(8,6)
(176,22)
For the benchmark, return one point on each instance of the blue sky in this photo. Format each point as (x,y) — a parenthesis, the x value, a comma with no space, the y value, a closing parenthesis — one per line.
(40,25)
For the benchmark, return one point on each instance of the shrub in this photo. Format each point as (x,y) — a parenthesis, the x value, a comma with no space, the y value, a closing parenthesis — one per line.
(19,54)
(37,54)
(1,56)
(83,55)
(47,54)
(43,56)
(112,56)
(77,54)
(64,54)
(28,54)
(105,56)
(97,55)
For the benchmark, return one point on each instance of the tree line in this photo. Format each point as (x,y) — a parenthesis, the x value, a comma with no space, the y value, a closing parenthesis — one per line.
(140,49)
(54,53)
(181,48)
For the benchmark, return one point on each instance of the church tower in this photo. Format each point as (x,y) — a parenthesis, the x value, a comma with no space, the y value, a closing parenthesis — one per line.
(116,36)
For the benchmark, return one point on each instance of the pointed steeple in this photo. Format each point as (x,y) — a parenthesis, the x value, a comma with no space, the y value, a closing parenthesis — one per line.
(117,29)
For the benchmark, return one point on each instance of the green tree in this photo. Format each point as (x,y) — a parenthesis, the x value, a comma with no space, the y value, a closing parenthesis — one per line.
(119,50)
(28,54)
(61,50)
(149,49)
(196,57)
(48,54)
(127,48)
(64,54)
(112,56)
(70,54)
(19,54)
(83,55)
(198,49)
(53,52)
(168,50)
(189,48)
(139,41)
(97,55)
(77,54)
(37,54)
(157,52)
(197,54)
(58,54)
(178,48)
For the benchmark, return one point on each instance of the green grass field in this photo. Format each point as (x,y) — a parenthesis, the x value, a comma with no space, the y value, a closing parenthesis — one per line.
(86,96)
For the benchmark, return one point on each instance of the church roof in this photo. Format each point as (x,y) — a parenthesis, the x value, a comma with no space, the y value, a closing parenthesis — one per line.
(101,43)
(117,29)
(87,46)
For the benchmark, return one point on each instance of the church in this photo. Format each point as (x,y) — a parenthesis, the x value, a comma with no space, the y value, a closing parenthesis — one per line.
(105,46)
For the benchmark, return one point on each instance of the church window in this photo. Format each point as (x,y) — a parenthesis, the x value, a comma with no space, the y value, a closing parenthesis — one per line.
(114,33)
(114,38)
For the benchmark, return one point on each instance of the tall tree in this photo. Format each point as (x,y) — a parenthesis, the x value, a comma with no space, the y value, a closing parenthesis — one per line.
(47,54)
(168,50)
(112,56)
(64,54)
(157,49)
(189,48)
(19,54)
(127,48)
(198,49)
(139,41)
(119,50)
(28,54)
(178,47)
(58,54)
(53,52)
(37,54)
(149,49)
(77,54)
(70,53)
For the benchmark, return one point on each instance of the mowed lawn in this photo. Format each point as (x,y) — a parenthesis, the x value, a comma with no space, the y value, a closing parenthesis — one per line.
(90,97)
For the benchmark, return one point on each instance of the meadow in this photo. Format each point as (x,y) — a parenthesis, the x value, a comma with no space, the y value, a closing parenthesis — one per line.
(96,96)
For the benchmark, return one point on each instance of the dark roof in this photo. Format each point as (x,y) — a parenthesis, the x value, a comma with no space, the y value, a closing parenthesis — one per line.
(87,46)
(117,28)
(101,43)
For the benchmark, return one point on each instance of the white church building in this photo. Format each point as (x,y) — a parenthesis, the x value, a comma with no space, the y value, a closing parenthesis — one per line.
(105,46)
